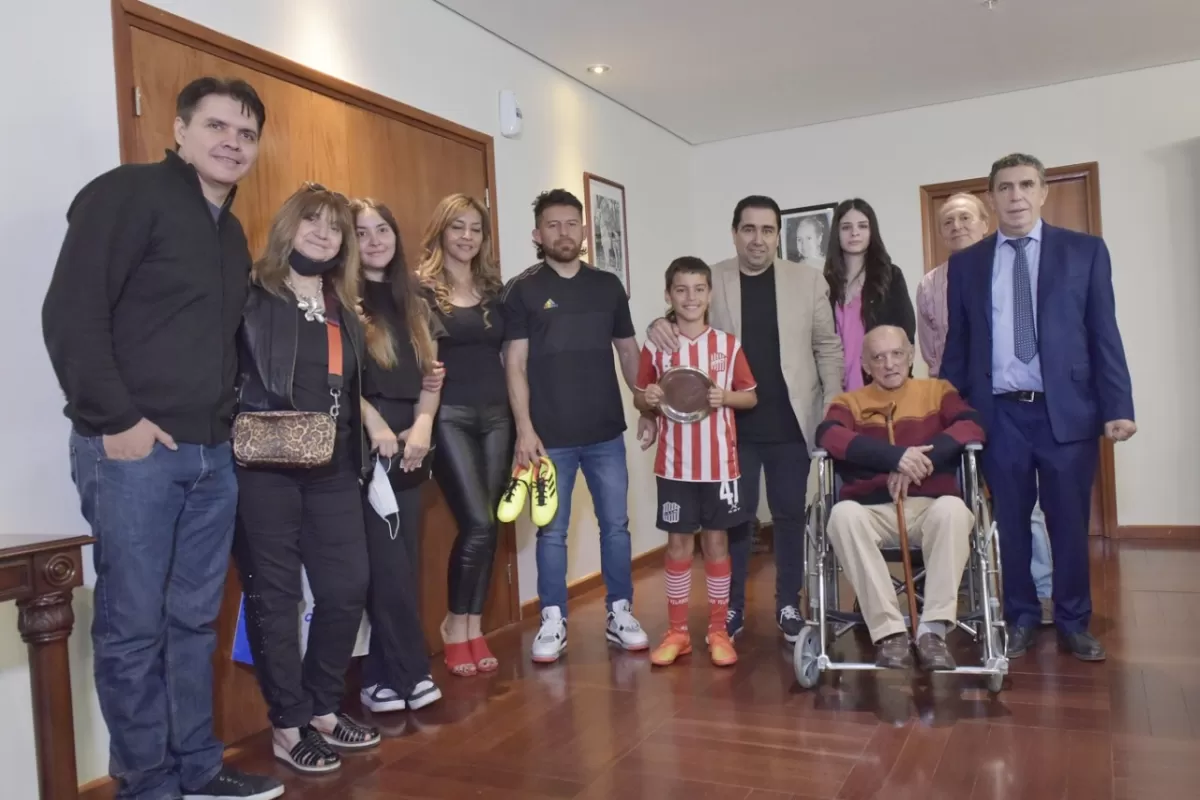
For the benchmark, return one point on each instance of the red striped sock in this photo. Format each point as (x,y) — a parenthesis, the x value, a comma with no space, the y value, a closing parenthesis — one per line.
(679,588)
(717,574)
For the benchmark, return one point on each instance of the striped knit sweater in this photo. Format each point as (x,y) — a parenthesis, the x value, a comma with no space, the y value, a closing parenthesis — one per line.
(928,412)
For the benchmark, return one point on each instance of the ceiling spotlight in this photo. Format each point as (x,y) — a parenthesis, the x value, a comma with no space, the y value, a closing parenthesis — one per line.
(990,5)
(598,69)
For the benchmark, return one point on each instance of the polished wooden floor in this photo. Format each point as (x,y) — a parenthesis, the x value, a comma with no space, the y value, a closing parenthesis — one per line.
(605,724)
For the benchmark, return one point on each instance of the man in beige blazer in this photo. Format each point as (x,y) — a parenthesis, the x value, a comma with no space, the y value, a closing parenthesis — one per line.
(780,310)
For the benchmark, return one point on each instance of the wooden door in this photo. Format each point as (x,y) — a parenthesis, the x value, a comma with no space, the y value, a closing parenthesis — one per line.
(313,136)
(1073,203)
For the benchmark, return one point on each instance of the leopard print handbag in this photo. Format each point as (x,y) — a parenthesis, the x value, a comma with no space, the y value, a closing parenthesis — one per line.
(293,439)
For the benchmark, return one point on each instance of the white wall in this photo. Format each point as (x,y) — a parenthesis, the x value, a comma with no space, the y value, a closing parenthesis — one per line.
(1145,135)
(63,131)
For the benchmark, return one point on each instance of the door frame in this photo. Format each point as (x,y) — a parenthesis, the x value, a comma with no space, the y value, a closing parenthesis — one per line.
(130,14)
(1089,172)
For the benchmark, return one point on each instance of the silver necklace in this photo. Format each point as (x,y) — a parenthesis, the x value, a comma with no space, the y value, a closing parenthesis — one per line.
(313,307)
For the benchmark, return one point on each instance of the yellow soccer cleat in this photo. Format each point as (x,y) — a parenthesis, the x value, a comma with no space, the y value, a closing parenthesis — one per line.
(545,493)
(514,497)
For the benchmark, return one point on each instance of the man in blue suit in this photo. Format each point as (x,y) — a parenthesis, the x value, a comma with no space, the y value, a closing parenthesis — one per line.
(1033,345)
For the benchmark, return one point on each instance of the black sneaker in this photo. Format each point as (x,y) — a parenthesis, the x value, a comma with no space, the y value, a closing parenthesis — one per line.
(733,622)
(790,622)
(232,784)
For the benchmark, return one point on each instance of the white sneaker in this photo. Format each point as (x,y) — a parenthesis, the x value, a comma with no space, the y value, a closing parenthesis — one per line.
(624,630)
(380,699)
(424,693)
(551,639)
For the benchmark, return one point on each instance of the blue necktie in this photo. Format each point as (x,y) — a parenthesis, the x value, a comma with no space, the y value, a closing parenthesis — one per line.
(1024,331)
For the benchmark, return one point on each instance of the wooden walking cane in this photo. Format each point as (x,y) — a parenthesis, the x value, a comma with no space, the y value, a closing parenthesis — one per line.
(888,413)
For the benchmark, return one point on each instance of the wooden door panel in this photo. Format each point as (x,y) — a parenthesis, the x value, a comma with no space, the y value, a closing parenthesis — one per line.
(410,170)
(1068,205)
(311,136)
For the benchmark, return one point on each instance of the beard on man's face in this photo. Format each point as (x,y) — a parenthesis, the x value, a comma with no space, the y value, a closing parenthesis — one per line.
(563,249)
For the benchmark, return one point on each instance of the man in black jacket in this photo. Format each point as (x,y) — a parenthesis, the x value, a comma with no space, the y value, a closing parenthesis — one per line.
(140,323)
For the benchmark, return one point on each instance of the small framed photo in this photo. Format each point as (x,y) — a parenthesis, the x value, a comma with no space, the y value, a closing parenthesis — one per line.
(805,234)
(608,240)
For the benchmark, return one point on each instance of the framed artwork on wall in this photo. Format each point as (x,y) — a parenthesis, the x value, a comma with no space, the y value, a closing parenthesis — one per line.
(805,234)
(608,239)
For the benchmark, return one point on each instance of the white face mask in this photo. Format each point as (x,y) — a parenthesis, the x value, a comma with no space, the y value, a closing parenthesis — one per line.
(383,499)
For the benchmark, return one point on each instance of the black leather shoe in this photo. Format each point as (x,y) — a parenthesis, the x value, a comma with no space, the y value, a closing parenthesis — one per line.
(894,652)
(1020,639)
(1083,646)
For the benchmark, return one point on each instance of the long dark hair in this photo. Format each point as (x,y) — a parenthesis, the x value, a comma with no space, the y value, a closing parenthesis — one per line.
(877,266)
(406,292)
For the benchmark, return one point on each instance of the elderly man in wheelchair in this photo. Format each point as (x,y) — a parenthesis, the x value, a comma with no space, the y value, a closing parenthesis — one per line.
(897,444)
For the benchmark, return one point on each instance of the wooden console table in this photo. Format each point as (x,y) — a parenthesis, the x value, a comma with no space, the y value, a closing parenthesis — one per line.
(39,572)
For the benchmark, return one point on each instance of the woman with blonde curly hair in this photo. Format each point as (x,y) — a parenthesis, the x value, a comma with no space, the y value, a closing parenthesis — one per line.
(474,434)
(398,413)
(299,313)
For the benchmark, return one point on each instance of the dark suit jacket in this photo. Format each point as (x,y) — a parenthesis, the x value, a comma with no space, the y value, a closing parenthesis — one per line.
(1084,372)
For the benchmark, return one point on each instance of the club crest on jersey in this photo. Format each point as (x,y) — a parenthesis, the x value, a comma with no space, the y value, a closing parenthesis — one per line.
(716,362)
(549,304)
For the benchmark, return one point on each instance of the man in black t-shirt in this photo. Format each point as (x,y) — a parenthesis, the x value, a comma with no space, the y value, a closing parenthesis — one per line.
(562,320)
(780,310)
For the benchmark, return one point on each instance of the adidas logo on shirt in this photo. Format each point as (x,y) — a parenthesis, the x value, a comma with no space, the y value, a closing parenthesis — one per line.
(549,304)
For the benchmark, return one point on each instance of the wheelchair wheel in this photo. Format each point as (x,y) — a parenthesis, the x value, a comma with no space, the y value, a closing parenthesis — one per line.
(804,657)
(995,683)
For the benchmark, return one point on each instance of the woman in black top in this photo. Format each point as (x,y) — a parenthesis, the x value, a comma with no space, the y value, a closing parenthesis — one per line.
(401,341)
(865,288)
(475,429)
(289,520)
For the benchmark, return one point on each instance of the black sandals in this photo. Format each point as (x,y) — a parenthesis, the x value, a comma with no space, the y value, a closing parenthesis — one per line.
(349,735)
(311,754)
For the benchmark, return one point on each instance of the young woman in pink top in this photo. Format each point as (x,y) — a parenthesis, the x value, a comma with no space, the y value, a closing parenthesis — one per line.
(865,288)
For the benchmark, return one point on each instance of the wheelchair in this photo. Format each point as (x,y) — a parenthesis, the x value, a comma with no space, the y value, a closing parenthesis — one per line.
(824,623)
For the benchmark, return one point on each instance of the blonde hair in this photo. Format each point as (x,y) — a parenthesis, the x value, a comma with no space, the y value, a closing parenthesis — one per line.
(485,272)
(381,339)
(980,206)
(272,269)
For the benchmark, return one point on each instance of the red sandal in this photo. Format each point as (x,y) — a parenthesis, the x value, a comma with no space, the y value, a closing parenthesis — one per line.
(482,656)
(459,659)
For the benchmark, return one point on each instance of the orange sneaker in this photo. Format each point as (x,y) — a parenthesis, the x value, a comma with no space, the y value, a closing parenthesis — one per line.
(674,644)
(720,648)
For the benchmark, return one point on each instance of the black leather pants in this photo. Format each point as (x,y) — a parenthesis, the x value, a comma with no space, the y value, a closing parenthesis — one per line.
(472,467)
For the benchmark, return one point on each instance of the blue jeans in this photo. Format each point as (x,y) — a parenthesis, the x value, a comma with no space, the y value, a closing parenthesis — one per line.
(607,478)
(1041,565)
(164,528)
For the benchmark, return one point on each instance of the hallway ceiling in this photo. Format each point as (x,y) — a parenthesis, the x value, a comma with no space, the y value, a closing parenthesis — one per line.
(715,69)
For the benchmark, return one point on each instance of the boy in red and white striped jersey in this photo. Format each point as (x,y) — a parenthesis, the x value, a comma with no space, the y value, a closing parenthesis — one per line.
(697,464)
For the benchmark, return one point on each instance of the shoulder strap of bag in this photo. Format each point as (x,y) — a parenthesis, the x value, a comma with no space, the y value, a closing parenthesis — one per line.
(333,333)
